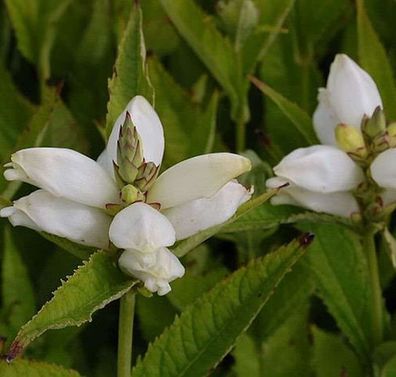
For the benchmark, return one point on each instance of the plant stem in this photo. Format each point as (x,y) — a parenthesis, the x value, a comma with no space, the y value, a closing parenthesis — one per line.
(241,135)
(376,297)
(125,334)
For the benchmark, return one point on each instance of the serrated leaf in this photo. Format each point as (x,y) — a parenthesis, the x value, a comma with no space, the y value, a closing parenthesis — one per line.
(372,57)
(183,247)
(331,357)
(206,331)
(93,285)
(17,290)
(341,273)
(300,119)
(210,46)
(130,77)
(25,368)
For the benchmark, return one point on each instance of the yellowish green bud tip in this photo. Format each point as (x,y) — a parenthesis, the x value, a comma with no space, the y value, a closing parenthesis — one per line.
(350,140)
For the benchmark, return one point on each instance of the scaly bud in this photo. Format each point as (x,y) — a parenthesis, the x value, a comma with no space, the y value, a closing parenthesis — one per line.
(146,177)
(374,125)
(129,151)
(351,141)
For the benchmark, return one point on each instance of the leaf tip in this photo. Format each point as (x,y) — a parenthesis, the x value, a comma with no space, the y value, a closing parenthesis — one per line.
(15,350)
(306,239)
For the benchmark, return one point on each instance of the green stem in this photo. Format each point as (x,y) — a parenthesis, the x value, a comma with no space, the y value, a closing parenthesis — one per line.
(241,134)
(376,298)
(125,334)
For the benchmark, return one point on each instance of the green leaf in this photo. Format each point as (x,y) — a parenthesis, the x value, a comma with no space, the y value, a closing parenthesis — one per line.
(92,286)
(340,269)
(331,357)
(210,46)
(25,368)
(206,331)
(389,369)
(79,251)
(372,57)
(35,25)
(17,291)
(15,113)
(300,119)
(183,247)
(130,77)
(188,129)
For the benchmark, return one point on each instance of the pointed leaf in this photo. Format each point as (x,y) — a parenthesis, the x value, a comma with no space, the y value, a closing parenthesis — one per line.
(130,77)
(25,368)
(372,57)
(93,285)
(300,119)
(206,331)
(17,290)
(210,46)
(341,273)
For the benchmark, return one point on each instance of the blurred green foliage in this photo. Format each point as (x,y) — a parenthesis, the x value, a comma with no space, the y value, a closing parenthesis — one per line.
(68,67)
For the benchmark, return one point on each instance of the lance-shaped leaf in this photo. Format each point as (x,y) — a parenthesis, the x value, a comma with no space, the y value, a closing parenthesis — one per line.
(210,46)
(183,247)
(93,285)
(17,290)
(207,330)
(300,119)
(130,77)
(341,272)
(34,369)
(372,57)
(187,127)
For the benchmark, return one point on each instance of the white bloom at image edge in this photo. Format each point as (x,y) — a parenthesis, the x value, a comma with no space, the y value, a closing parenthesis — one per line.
(322,177)
(193,195)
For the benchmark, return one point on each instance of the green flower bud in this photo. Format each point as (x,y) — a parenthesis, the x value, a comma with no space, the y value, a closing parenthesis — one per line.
(146,176)
(351,141)
(130,194)
(374,125)
(129,152)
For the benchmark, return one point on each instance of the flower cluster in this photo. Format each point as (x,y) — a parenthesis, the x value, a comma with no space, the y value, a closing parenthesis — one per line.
(122,199)
(354,170)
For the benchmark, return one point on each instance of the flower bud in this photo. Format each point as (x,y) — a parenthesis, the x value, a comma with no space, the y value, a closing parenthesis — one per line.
(374,126)
(129,151)
(130,194)
(350,140)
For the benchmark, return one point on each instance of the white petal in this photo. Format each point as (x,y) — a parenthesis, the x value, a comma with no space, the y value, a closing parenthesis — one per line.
(388,197)
(141,227)
(42,211)
(351,91)
(276,182)
(383,169)
(320,168)
(199,214)
(325,120)
(336,203)
(106,163)
(148,126)
(155,269)
(64,173)
(197,177)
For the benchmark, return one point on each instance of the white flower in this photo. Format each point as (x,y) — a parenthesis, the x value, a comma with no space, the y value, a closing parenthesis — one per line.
(322,177)
(320,168)
(350,94)
(191,196)
(76,184)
